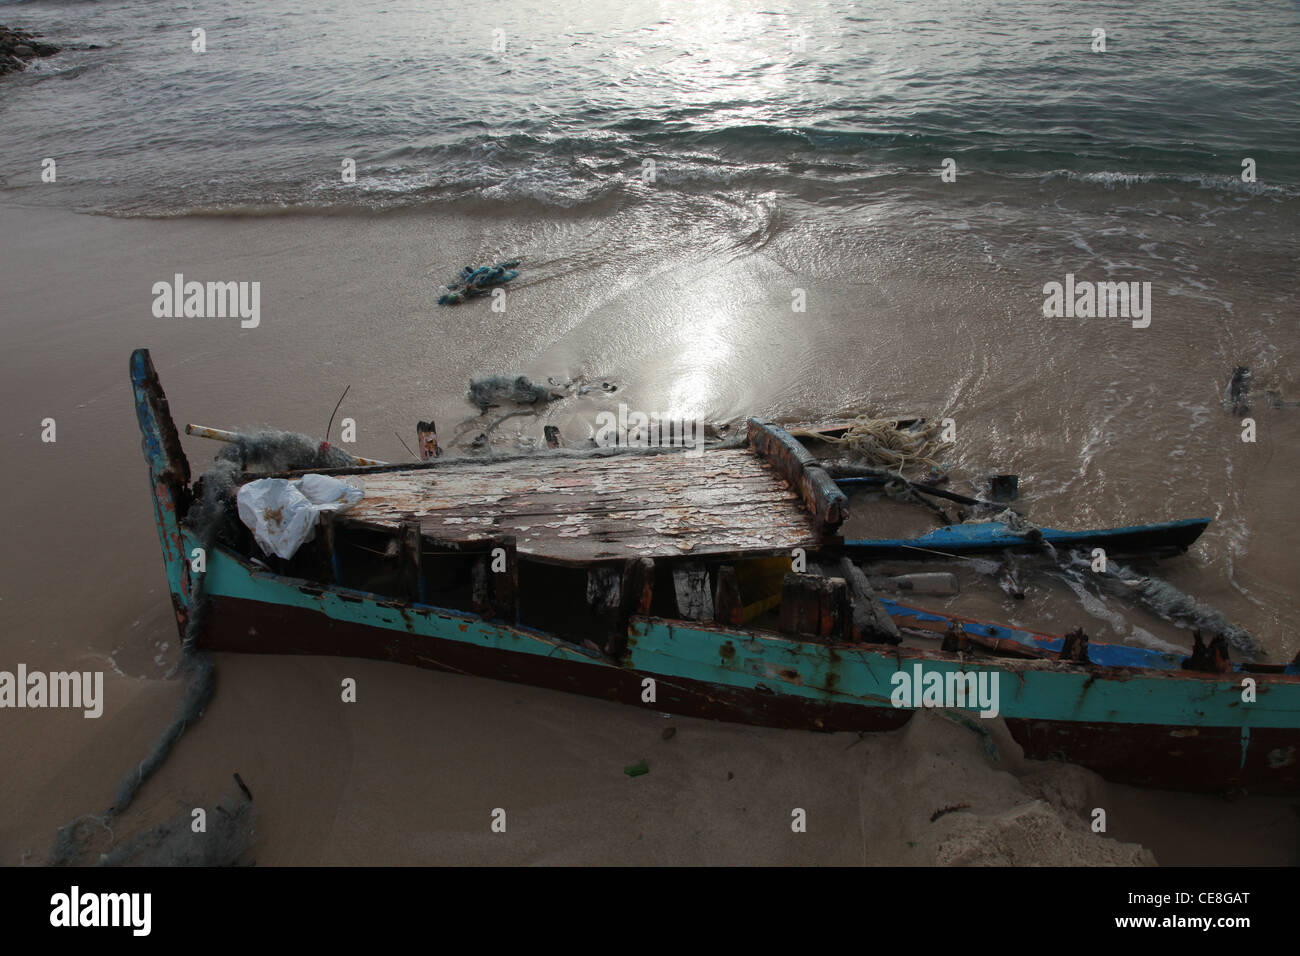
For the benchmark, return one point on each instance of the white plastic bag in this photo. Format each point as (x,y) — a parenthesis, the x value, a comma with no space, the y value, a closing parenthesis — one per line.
(283,514)
(329,494)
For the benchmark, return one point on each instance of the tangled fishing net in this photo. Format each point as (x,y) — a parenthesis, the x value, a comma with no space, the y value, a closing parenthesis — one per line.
(208,514)
(1167,602)
(1013,520)
(879,441)
(495,390)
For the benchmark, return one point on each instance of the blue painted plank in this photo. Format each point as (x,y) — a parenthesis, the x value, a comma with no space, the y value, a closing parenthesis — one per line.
(996,535)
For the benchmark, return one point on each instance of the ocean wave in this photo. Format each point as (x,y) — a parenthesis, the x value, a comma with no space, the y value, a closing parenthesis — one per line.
(565,180)
(1213,181)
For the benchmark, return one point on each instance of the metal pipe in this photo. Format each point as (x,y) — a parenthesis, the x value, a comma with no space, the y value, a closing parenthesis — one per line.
(218,434)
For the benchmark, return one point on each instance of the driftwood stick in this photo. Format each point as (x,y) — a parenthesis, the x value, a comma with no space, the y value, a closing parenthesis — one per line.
(845,474)
(330,427)
(407,447)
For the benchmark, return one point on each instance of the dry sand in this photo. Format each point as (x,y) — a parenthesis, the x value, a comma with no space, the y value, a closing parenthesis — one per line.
(413,771)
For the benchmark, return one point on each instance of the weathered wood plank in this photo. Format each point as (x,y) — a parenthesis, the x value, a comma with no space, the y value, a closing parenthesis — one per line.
(592,509)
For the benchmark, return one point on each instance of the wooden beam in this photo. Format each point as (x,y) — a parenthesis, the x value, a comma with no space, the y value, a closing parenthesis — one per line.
(505,584)
(410,568)
(1075,647)
(816,607)
(828,505)
(728,608)
(638,586)
(329,551)
(426,433)
(871,622)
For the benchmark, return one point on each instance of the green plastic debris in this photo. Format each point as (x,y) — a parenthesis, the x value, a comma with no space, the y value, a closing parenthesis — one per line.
(637,769)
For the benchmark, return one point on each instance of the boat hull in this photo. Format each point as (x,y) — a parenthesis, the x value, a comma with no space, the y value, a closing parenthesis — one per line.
(706,671)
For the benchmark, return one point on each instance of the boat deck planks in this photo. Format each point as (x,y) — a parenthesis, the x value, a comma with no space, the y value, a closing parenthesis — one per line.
(615,507)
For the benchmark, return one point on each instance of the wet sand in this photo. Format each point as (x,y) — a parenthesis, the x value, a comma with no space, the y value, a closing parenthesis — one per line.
(1101,432)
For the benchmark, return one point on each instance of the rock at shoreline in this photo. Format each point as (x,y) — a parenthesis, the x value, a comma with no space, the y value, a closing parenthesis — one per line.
(19,46)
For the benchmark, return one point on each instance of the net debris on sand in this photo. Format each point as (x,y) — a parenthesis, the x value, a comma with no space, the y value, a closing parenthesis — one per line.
(481,281)
(212,508)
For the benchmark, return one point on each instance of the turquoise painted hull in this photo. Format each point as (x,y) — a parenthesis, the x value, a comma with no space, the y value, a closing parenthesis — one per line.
(1154,727)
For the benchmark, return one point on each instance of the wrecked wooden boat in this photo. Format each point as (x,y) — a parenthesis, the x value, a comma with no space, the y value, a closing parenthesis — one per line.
(712,585)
